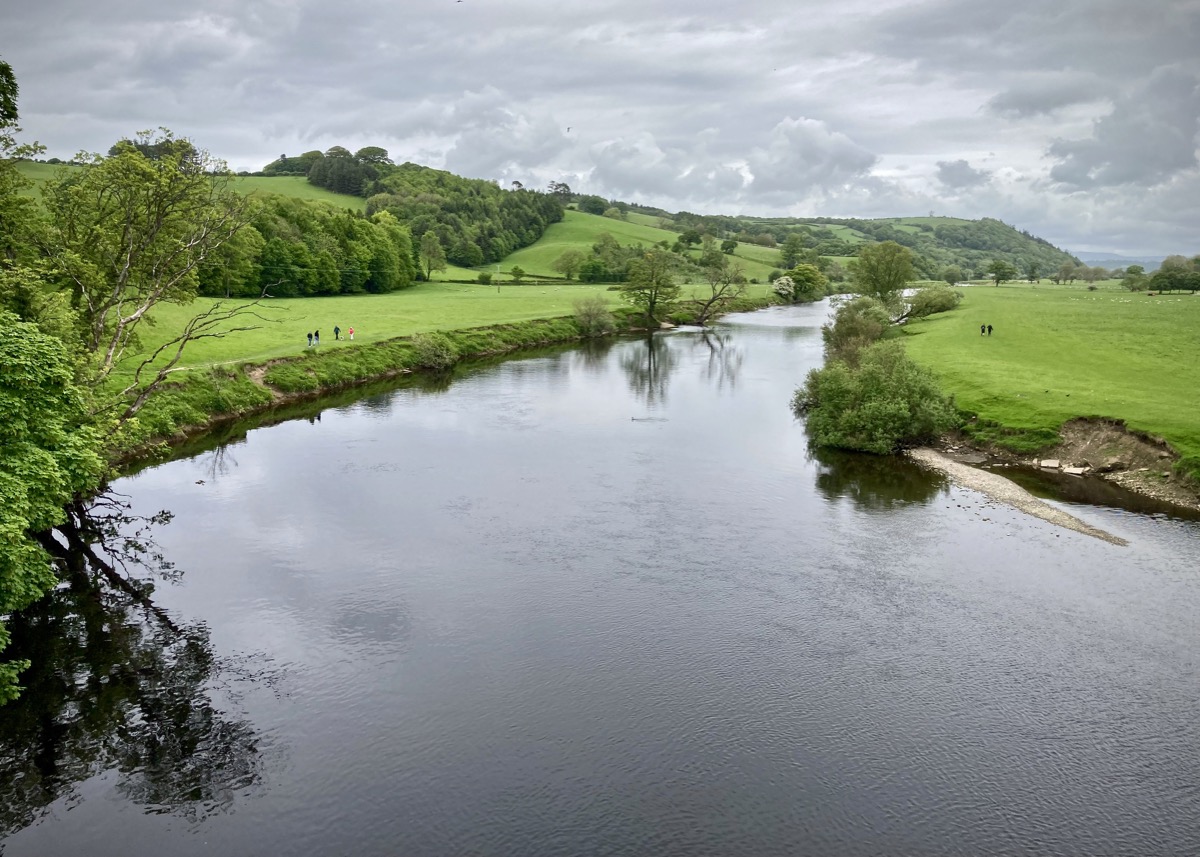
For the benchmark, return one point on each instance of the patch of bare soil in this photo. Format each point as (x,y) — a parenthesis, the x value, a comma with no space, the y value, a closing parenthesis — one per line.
(1099,448)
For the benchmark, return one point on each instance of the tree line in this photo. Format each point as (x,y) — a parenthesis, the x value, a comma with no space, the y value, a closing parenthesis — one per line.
(476,222)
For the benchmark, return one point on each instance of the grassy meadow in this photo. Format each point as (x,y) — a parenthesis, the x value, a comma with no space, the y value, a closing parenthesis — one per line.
(1059,352)
(424,307)
(579,231)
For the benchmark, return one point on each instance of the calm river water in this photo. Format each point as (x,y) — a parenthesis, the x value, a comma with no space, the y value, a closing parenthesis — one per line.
(606,602)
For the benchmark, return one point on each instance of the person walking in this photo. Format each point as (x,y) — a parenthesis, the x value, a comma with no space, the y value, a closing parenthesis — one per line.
(310,339)
(337,332)
(316,337)
(989,330)
(982,329)
(352,334)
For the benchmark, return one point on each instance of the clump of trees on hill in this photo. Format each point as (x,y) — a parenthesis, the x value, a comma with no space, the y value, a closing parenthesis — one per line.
(292,248)
(475,221)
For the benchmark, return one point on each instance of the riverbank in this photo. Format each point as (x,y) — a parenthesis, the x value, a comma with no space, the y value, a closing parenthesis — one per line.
(1075,375)
(1091,448)
(201,400)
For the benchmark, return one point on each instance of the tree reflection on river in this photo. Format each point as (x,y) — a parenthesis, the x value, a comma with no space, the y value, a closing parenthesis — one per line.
(116,685)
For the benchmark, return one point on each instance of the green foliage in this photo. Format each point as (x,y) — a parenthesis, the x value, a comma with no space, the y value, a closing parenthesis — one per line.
(46,457)
(934,299)
(652,287)
(593,316)
(434,351)
(857,324)
(568,263)
(953,275)
(810,284)
(291,248)
(484,278)
(475,221)
(883,404)
(517,273)
(433,257)
(882,271)
(130,229)
(1001,271)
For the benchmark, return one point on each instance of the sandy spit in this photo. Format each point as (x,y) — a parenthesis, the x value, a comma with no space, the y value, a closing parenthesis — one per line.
(1006,491)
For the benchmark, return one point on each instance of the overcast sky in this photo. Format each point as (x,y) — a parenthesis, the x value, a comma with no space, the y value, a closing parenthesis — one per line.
(1076,120)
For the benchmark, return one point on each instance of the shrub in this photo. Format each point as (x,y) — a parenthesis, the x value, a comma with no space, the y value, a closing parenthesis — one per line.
(433,351)
(593,317)
(884,403)
(484,278)
(932,300)
(784,288)
(858,324)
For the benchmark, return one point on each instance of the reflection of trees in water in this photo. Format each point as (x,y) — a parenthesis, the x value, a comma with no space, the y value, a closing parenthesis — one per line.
(116,684)
(875,481)
(724,360)
(592,354)
(219,462)
(648,367)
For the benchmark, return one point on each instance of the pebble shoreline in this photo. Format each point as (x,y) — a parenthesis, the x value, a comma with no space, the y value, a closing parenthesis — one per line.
(1006,491)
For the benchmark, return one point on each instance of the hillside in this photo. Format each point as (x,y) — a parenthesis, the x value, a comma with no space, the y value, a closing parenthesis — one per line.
(483,227)
(580,231)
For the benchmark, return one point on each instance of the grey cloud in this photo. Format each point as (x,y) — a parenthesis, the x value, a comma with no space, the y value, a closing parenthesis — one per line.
(1150,134)
(676,100)
(802,156)
(960,174)
(1044,93)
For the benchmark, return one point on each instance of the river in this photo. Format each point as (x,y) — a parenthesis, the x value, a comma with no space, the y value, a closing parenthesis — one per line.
(605,601)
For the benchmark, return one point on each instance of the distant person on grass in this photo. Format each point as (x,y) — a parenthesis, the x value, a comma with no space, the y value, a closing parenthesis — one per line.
(310,339)
(337,332)
(982,329)
(316,337)
(989,330)
(351,334)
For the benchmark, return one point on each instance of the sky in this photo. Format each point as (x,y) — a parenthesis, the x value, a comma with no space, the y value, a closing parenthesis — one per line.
(1075,120)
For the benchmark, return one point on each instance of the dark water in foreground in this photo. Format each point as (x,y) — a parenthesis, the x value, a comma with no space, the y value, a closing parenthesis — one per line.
(604,602)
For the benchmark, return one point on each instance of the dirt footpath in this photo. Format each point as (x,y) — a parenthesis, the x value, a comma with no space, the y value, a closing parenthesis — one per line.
(1005,491)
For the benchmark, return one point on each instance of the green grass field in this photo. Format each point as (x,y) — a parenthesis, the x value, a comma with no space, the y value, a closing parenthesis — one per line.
(425,307)
(1059,352)
(298,187)
(579,231)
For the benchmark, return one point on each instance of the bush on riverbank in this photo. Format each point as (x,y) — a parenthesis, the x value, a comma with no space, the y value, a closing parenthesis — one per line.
(882,403)
(869,396)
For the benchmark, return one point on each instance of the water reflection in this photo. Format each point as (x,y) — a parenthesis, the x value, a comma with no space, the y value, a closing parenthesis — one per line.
(116,685)
(648,366)
(724,359)
(875,482)
(592,354)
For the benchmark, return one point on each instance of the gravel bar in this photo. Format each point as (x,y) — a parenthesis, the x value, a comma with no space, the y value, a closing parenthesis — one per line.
(1006,491)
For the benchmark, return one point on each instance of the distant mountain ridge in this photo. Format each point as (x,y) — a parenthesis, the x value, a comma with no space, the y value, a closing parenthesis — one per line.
(1117,260)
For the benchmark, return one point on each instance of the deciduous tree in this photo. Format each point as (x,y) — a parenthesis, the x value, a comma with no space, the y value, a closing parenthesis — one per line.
(433,257)
(651,287)
(1001,271)
(883,270)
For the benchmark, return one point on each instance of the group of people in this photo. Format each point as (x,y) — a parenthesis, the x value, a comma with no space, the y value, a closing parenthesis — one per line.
(314,338)
(985,330)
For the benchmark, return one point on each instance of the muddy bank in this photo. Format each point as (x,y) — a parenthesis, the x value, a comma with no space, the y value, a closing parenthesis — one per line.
(1006,491)
(1094,448)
